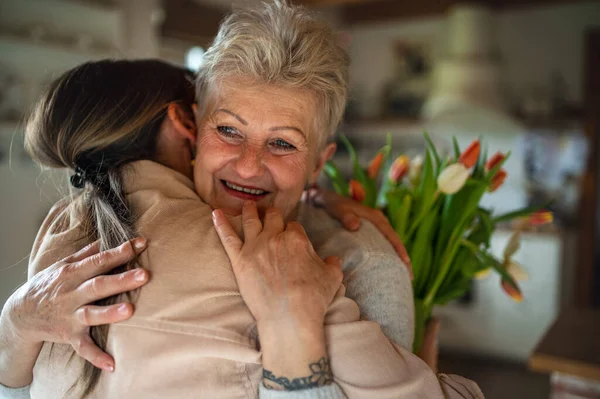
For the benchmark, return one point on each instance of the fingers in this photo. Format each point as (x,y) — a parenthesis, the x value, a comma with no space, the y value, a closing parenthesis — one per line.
(108,285)
(104,261)
(86,251)
(229,238)
(92,315)
(273,222)
(87,349)
(350,221)
(296,228)
(250,222)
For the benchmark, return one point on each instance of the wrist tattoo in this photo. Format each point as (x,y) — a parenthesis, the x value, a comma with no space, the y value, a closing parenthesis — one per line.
(320,376)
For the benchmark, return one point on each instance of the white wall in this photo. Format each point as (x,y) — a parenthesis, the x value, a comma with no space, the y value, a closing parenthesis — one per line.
(128,29)
(533,43)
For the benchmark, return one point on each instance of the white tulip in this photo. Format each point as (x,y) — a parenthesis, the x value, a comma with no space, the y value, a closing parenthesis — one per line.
(453,178)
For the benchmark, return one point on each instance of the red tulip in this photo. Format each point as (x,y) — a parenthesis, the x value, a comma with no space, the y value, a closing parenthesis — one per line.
(399,168)
(541,217)
(375,165)
(357,191)
(470,155)
(497,180)
(512,291)
(494,160)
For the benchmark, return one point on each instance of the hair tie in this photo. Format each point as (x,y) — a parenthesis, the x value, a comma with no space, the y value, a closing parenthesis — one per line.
(78,178)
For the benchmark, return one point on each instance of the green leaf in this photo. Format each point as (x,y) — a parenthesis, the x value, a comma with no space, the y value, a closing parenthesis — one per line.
(491,262)
(431,148)
(456,148)
(458,289)
(479,169)
(422,315)
(340,185)
(421,251)
(426,194)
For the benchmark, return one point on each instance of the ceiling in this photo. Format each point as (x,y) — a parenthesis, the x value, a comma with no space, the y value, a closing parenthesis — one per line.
(196,19)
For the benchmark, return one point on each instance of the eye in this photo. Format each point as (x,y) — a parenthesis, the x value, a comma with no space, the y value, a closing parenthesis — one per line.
(283,145)
(228,131)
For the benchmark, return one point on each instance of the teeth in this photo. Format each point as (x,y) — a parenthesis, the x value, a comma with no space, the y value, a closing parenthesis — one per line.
(244,190)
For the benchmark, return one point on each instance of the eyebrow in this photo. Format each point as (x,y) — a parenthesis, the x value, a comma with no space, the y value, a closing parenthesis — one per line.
(273,129)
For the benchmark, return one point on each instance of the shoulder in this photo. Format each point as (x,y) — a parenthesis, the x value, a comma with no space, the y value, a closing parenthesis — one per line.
(329,237)
(59,236)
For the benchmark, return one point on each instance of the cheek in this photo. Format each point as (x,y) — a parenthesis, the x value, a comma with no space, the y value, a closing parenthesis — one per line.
(289,173)
(212,154)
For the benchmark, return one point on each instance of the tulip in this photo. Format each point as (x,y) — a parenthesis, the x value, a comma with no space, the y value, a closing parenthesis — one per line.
(399,168)
(357,191)
(453,178)
(483,273)
(541,217)
(375,165)
(512,291)
(513,245)
(516,271)
(416,166)
(470,155)
(493,161)
(497,180)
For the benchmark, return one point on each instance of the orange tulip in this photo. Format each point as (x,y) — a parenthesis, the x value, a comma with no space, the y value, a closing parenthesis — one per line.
(493,161)
(541,217)
(374,166)
(357,191)
(470,155)
(498,180)
(512,291)
(399,168)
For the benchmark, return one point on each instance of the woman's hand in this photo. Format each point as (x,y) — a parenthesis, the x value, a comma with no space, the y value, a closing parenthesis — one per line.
(288,289)
(56,305)
(349,212)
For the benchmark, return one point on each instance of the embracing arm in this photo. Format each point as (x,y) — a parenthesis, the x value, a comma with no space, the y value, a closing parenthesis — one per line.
(54,306)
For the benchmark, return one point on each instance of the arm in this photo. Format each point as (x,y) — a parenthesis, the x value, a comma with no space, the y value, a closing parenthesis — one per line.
(288,304)
(275,276)
(349,213)
(53,306)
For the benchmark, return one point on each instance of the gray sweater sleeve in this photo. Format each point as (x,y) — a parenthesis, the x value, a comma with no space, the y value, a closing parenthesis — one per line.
(331,391)
(14,393)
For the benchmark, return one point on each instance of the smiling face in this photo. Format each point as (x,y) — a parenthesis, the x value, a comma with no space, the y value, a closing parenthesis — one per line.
(259,143)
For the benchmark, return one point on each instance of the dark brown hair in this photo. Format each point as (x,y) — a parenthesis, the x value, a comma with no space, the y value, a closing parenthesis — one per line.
(98,117)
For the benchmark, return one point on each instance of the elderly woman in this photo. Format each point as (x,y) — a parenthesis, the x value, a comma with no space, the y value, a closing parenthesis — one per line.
(192,336)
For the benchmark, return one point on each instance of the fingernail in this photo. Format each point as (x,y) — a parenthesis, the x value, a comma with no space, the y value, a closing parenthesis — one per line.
(123,309)
(139,243)
(109,367)
(139,275)
(214,215)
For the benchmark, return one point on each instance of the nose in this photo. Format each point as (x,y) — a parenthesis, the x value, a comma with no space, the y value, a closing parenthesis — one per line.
(249,163)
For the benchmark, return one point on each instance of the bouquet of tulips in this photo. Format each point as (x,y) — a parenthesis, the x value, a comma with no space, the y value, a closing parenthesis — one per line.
(433,205)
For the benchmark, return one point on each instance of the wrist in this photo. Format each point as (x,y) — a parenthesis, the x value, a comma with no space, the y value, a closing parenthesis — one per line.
(294,354)
(10,320)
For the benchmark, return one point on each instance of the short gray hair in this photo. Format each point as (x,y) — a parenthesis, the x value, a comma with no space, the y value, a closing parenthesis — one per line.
(283,45)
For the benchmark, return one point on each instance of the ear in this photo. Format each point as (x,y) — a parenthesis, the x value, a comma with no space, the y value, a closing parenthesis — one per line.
(325,155)
(183,121)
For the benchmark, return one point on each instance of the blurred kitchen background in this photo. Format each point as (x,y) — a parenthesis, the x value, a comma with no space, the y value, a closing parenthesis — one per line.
(522,74)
